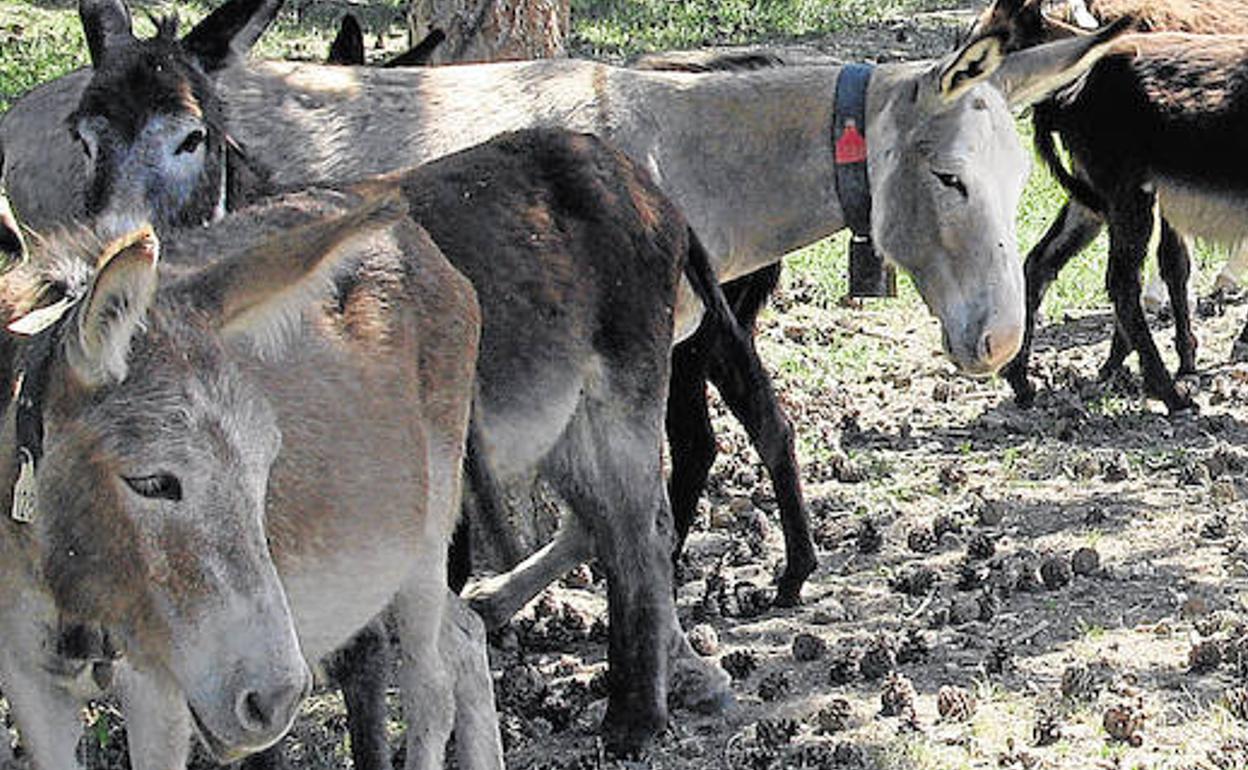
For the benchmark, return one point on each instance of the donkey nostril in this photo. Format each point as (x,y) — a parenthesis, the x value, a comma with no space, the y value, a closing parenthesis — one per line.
(252,713)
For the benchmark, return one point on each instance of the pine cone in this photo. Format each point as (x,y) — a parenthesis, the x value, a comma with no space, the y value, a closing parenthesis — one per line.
(1047,729)
(955,704)
(1123,722)
(869,538)
(1235,699)
(808,647)
(914,648)
(834,717)
(1204,656)
(879,658)
(897,697)
(921,540)
(1080,683)
(774,686)
(774,733)
(980,548)
(739,664)
(844,667)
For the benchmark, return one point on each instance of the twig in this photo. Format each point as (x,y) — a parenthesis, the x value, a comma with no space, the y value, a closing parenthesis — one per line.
(931,594)
(1030,633)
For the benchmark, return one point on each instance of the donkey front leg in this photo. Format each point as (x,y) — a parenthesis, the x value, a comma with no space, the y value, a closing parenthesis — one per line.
(1131,223)
(1074,228)
(158,725)
(478,744)
(47,715)
(424,677)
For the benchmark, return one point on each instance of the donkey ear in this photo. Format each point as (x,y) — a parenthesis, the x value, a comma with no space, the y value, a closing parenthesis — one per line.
(231,30)
(972,64)
(348,45)
(114,309)
(1033,74)
(258,293)
(105,23)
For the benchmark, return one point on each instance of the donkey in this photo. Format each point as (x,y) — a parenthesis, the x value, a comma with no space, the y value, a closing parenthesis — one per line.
(753,174)
(320,348)
(1078,223)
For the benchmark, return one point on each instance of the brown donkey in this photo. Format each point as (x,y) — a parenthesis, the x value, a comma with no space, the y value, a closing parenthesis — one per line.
(320,348)
(1169,81)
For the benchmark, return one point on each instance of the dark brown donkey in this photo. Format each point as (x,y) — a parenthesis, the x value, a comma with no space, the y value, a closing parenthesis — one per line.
(730,362)
(1167,91)
(320,348)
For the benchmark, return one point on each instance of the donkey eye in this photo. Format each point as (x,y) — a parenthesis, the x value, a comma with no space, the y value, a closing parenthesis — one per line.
(192,142)
(161,486)
(952,181)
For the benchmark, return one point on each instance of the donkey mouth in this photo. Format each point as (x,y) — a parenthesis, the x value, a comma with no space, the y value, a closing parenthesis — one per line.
(220,751)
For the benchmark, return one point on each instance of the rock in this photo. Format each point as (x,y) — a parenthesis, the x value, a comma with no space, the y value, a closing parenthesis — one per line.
(1224,491)
(990,513)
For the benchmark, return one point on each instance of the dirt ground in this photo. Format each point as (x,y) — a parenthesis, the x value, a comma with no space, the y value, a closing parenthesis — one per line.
(1059,587)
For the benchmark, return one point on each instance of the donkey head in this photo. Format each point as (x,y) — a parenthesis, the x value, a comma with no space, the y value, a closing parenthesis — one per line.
(149,518)
(149,123)
(947,169)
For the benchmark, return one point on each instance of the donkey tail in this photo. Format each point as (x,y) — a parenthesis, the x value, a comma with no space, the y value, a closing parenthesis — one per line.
(705,283)
(1045,128)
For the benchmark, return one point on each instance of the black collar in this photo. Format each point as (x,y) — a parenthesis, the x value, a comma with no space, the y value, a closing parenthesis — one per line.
(869,276)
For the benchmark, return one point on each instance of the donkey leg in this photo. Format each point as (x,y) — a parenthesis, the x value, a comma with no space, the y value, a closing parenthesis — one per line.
(478,744)
(608,468)
(747,390)
(689,433)
(45,713)
(158,725)
(1175,266)
(359,668)
(1074,228)
(425,678)
(1239,351)
(498,598)
(1131,224)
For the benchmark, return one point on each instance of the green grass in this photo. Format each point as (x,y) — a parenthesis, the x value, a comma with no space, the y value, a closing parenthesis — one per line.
(618,28)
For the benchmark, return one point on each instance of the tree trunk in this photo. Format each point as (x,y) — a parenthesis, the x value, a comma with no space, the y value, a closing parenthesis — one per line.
(491,30)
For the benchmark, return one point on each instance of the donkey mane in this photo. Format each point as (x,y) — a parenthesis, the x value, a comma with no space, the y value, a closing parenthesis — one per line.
(701,61)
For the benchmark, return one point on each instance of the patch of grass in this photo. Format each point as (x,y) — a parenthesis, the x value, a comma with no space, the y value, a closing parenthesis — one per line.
(620,28)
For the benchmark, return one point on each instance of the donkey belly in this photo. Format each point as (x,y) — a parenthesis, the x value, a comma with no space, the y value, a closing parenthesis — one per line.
(1215,215)
(522,420)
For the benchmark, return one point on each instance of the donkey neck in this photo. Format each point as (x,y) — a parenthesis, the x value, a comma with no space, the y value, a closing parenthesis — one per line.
(747,156)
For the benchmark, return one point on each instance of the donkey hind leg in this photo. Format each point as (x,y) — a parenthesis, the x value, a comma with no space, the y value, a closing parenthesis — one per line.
(424,678)
(1232,273)
(1132,221)
(478,744)
(158,725)
(747,390)
(359,668)
(689,432)
(1175,266)
(608,468)
(496,599)
(1074,228)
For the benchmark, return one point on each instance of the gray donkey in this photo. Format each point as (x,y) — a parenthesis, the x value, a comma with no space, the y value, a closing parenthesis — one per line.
(320,348)
(747,156)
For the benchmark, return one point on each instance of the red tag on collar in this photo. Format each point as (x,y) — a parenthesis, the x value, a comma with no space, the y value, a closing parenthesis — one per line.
(851,146)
